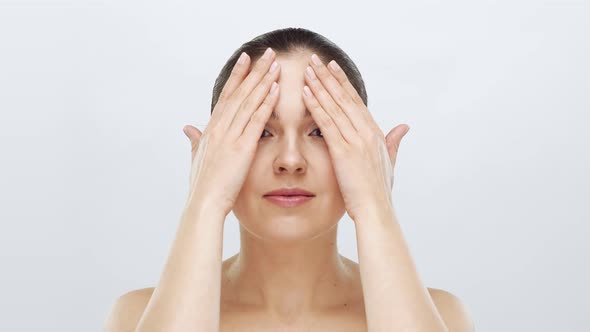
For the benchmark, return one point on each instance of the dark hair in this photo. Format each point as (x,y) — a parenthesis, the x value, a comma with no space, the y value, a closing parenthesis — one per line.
(288,40)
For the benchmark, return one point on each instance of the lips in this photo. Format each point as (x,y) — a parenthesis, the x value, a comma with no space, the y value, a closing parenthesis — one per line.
(288,201)
(289,197)
(289,192)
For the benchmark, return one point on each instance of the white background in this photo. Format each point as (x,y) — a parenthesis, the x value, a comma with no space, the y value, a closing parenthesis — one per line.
(492,183)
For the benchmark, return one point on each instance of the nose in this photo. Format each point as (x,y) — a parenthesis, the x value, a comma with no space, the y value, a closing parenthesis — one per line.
(290,160)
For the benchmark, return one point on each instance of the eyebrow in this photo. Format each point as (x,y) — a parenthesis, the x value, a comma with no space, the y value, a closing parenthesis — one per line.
(275,116)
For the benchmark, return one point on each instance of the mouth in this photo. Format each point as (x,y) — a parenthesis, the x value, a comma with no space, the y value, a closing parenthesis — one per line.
(288,200)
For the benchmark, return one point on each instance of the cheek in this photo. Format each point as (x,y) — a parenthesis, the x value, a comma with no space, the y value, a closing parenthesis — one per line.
(325,167)
(245,204)
(254,181)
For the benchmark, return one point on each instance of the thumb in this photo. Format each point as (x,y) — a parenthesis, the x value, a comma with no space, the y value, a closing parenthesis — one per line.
(194,135)
(394,138)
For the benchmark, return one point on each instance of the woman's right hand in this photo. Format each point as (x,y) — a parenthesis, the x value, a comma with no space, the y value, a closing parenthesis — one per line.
(223,153)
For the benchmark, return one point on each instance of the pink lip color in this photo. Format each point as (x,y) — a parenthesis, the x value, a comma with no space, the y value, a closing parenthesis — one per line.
(288,201)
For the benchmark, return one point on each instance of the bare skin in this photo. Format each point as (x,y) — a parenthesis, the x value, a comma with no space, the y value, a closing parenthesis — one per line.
(288,261)
(288,274)
(347,316)
(338,305)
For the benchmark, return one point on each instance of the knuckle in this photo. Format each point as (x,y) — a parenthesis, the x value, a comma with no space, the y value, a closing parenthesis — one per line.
(322,73)
(340,97)
(224,103)
(265,88)
(266,102)
(256,118)
(341,77)
(335,73)
(221,103)
(237,70)
(339,116)
(359,144)
(235,102)
(222,96)
(325,122)
(325,94)
(262,87)
(262,67)
(375,139)
(237,93)
(321,93)
(214,134)
(247,104)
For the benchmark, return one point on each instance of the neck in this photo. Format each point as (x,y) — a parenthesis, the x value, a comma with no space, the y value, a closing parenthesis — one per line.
(289,279)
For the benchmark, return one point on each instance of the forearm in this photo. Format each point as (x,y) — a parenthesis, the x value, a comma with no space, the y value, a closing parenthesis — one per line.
(187,296)
(395,297)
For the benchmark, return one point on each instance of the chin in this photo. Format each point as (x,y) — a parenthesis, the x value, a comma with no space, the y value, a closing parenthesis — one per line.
(286,228)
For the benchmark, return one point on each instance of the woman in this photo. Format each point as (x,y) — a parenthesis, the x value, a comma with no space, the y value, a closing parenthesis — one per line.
(290,148)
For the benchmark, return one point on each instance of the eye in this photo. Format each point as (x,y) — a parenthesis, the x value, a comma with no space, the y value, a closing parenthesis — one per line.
(262,136)
(318,129)
(264,130)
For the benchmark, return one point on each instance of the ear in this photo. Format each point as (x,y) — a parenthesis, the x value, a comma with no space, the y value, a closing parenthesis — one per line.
(393,140)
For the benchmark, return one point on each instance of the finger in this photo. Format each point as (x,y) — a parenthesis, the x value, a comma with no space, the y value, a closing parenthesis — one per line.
(237,74)
(325,101)
(340,96)
(393,140)
(259,119)
(192,132)
(253,102)
(327,125)
(239,71)
(252,80)
(340,75)
(194,135)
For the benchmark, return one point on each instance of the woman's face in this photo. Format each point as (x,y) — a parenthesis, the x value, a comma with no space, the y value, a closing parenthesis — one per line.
(291,152)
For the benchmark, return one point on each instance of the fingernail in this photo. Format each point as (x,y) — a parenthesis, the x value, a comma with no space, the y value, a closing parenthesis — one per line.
(334,65)
(310,73)
(273,67)
(242,58)
(315,59)
(273,87)
(267,53)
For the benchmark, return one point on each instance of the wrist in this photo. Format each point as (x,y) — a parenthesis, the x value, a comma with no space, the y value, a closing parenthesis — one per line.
(202,208)
(376,211)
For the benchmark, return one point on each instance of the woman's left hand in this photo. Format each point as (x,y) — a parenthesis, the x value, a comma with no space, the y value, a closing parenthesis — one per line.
(363,157)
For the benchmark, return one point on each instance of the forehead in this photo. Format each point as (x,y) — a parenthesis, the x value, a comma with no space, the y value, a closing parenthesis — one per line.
(290,106)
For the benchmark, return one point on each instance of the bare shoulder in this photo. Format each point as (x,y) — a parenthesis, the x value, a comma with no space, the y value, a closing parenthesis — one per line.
(452,310)
(127,310)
